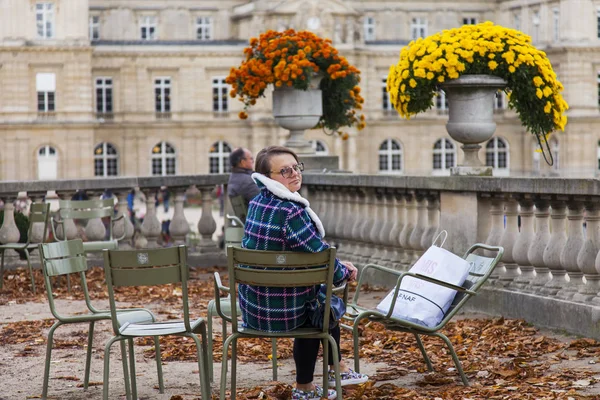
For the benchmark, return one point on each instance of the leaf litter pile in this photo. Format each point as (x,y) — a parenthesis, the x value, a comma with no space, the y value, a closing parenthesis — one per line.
(503,358)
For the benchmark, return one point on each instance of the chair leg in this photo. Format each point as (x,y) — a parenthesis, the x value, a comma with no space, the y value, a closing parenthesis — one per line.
(454,358)
(157,356)
(224,366)
(48,357)
(132,368)
(106,372)
(324,343)
(209,318)
(233,368)
(424,353)
(356,344)
(30,270)
(205,351)
(274,357)
(336,367)
(2,270)
(88,357)
(202,368)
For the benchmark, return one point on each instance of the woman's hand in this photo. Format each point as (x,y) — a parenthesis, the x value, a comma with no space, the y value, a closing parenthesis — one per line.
(352,269)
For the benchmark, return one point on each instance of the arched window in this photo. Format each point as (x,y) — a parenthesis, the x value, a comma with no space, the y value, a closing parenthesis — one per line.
(390,157)
(164,159)
(106,160)
(47,163)
(497,155)
(444,157)
(319,147)
(219,158)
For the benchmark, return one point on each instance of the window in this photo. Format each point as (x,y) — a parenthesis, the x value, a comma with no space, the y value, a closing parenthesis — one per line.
(162,95)
(369,28)
(535,21)
(390,157)
(556,25)
(444,156)
(204,28)
(94,27)
(441,102)
(220,91)
(148,28)
(500,102)
(386,104)
(219,158)
(418,28)
(163,159)
(46,87)
(104,101)
(517,20)
(470,21)
(496,155)
(47,163)
(106,160)
(44,19)
(319,147)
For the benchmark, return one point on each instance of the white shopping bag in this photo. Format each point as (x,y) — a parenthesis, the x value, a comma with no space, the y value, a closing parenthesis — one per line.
(422,302)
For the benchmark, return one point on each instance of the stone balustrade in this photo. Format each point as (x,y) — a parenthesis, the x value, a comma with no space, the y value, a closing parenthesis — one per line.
(550,272)
(549,227)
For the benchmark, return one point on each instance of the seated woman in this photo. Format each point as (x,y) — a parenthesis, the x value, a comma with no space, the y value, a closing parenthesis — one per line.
(280,219)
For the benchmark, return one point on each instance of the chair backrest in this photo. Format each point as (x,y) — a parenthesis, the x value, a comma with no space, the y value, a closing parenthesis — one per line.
(62,258)
(146,267)
(38,212)
(239,206)
(480,270)
(87,209)
(280,269)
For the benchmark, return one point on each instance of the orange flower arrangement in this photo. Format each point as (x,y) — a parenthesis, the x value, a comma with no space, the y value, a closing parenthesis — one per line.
(292,59)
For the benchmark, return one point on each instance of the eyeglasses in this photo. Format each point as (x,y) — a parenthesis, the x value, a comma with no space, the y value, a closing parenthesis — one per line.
(288,172)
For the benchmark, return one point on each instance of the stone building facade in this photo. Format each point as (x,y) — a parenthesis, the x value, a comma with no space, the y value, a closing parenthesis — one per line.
(136,87)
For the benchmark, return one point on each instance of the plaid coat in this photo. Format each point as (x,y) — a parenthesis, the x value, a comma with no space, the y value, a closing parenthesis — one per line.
(276,223)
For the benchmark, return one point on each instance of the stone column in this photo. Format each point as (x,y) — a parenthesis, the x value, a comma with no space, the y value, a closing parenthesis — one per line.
(568,257)
(535,254)
(9,233)
(558,239)
(409,226)
(433,220)
(420,227)
(496,232)
(588,259)
(524,239)
(179,227)
(508,239)
(124,224)
(151,227)
(207,224)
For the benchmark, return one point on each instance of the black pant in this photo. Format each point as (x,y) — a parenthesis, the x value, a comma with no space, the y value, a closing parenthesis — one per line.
(306,352)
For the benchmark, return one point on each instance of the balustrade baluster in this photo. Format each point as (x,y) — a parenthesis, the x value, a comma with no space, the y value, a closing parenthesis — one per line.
(9,233)
(151,227)
(207,224)
(377,226)
(588,259)
(558,239)
(37,230)
(366,253)
(568,257)
(68,228)
(433,220)
(535,254)
(496,232)
(420,226)
(523,243)
(384,237)
(341,215)
(179,227)
(123,225)
(508,239)
(400,201)
(409,226)
(395,231)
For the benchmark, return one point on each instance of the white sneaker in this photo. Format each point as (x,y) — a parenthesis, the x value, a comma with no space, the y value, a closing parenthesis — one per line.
(348,378)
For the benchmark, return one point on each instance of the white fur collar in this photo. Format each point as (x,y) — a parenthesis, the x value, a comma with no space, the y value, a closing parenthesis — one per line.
(279,190)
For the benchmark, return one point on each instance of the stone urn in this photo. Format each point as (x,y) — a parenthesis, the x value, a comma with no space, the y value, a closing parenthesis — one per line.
(471,117)
(297,110)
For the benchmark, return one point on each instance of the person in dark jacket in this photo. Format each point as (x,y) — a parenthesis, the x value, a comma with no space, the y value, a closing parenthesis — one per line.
(280,219)
(240,180)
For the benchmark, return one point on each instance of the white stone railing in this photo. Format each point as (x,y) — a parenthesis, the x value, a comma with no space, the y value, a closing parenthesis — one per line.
(550,271)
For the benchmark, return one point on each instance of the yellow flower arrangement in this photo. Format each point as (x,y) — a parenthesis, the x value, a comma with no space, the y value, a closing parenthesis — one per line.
(292,59)
(425,64)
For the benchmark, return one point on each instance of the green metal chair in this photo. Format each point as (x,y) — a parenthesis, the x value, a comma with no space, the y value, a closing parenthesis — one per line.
(218,305)
(278,269)
(150,267)
(481,268)
(38,212)
(68,257)
(86,210)
(239,207)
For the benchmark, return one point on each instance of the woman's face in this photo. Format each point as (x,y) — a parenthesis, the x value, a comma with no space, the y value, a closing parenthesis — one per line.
(284,170)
